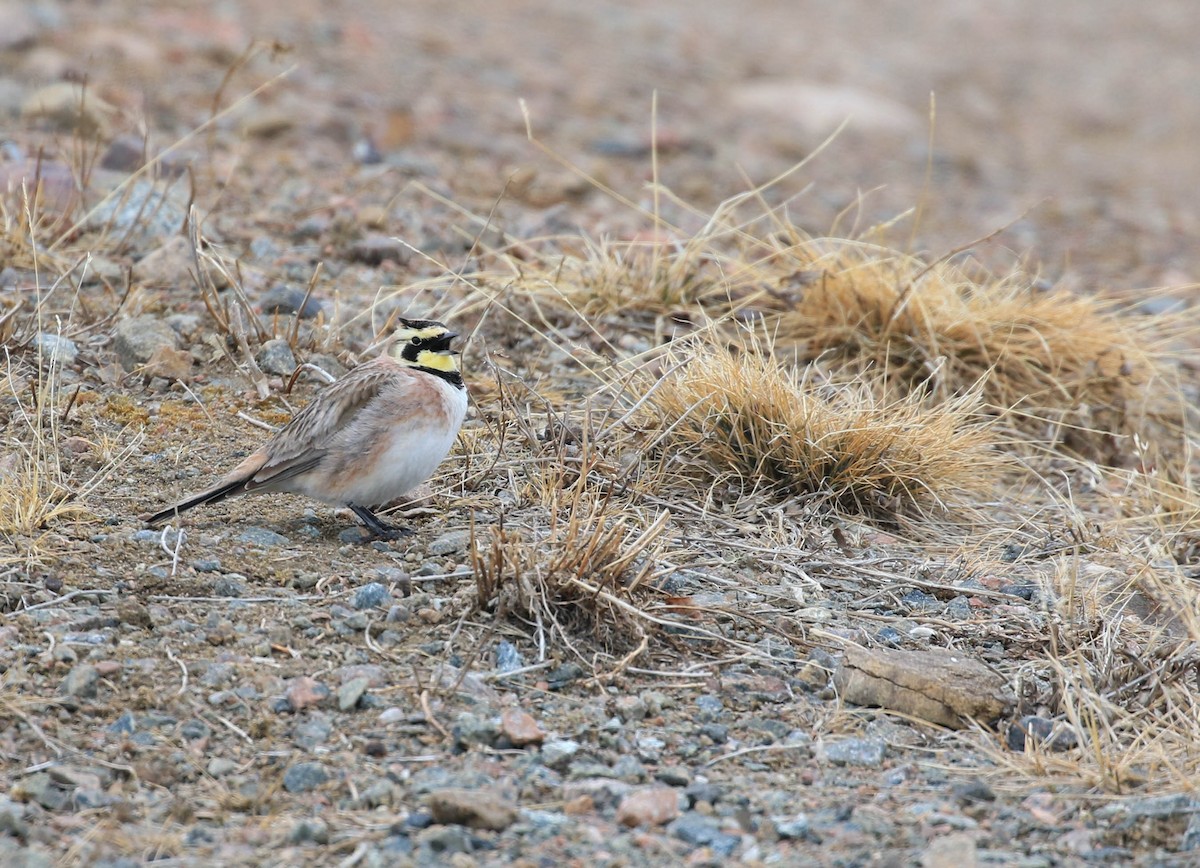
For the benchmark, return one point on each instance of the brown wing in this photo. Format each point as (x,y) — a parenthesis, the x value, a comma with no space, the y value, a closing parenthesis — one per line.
(300,444)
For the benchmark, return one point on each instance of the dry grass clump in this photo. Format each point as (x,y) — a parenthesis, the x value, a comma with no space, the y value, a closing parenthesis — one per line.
(582,572)
(740,415)
(1119,673)
(1067,369)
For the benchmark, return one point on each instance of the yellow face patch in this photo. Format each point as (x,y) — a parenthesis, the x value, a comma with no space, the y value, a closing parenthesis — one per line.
(437,361)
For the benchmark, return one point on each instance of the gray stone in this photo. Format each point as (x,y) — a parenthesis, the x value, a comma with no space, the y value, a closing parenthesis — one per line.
(81,681)
(451,543)
(371,596)
(207,565)
(276,357)
(285,299)
(312,829)
(475,729)
(56,349)
(136,340)
(227,586)
(260,536)
(303,777)
(144,212)
(797,827)
(558,754)
(508,658)
(701,831)
(220,766)
(351,692)
(867,753)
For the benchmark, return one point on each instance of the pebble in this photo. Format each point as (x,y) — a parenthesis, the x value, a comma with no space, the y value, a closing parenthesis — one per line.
(558,754)
(227,586)
(312,829)
(651,806)
(1042,731)
(701,831)
(375,249)
(472,729)
(69,107)
(796,827)
(520,728)
(207,565)
(220,766)
(305,692)
(81,681)
(146,212)
(137,338)
(867,753)
(371,596)
(351,692)
(56,348)
(451,543)
(167,266)
(478,809)
(508,658)
(260,536)
(285,299)
(276,357)
(392,715)
(303,777)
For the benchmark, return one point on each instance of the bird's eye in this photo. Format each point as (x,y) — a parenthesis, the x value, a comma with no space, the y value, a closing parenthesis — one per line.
(416,342)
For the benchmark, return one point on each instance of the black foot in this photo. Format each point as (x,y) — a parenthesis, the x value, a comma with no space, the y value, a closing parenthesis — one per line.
(378,529)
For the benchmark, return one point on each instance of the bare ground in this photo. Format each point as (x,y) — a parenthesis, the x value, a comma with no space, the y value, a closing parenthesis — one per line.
(615,623)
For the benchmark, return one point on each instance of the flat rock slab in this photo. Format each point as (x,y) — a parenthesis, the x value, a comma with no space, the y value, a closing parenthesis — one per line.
(943,687)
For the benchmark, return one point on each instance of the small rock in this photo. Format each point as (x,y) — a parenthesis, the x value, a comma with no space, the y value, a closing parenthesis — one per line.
(69,107)
(956,850)
(227,586)
(276,357)
(207,565)
(267,122)
(477,809)
(974,791)
(143,214)
(472,729)
(701,831)
(304,777)
(168,266)
(126,153)
(170,364)
(520,728)
(452,543)
(137,338)
(220,766)
(285,299)
(796,828)
(56,349)
(312,829)
(508,658)
(652,806)
(558,754)
(375,249)
(1030,730)
(867,753)
(351,692)
(371,596)
(306,692)
(81,681)
(260,536)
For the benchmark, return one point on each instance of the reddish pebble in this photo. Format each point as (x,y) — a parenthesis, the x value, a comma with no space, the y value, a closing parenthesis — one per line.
(306,692)
(520,728)
(652,806)
(106,668)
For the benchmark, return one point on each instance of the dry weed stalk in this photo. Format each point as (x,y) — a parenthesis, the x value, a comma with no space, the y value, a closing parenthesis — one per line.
(583,571)
(740,415)
(1122,669)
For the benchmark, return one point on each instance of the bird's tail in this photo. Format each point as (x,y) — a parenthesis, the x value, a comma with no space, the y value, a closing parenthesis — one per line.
(212,495)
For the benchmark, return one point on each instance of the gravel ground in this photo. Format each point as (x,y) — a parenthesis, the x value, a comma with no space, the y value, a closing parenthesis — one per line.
(268,689)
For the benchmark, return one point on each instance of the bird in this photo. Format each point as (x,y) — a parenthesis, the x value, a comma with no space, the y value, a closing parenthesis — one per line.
(368,438)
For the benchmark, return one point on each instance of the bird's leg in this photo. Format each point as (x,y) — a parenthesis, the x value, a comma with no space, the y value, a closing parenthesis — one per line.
(377,527)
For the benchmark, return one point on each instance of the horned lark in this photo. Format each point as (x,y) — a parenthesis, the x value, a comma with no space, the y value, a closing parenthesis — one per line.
(369,438)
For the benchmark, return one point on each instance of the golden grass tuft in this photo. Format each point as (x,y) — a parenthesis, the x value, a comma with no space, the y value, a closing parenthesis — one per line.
(740,415)
(1068,370)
